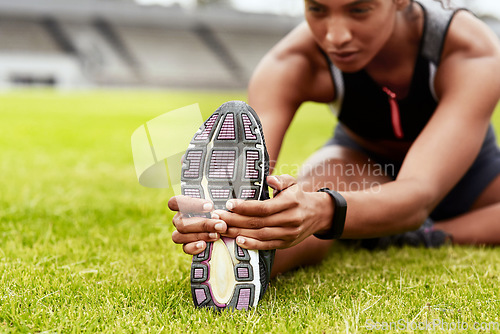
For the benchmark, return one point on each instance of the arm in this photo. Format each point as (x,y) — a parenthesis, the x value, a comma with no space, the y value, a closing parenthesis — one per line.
(468,86)
(293,72)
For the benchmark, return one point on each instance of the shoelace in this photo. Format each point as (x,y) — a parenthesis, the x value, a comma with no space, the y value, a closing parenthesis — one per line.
(395,114)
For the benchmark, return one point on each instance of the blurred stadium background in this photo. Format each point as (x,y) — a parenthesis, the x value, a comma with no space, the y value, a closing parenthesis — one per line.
(102,43)
(70,44)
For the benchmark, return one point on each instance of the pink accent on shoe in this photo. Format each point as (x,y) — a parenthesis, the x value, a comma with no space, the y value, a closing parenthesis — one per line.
(242,272)
(198,273)
(192,192)
(227,131)
(246,125)
(250,171)
(247,193)
(200,295)
(240,252)
(213,298)
(220,193)
(243,299)
(222,164)
(194,159)
(209,124)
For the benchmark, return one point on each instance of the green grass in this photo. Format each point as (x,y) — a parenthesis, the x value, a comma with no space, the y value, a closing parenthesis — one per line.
(85,248)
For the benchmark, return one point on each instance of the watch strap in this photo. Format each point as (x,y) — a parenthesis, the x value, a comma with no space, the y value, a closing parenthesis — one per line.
(339,214)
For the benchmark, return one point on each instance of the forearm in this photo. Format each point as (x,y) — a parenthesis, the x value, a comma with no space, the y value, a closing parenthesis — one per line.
(275,121)
(273,135)
(390,208)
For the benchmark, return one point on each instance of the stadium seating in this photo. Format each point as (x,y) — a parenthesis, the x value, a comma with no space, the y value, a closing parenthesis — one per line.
(99,60)
(173,57)
(25,35)
(249,47)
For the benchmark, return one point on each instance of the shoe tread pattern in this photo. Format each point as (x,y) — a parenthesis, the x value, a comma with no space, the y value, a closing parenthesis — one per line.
(227,159)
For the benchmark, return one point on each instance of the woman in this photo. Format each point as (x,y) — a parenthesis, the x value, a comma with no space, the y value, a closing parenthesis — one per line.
(416,86)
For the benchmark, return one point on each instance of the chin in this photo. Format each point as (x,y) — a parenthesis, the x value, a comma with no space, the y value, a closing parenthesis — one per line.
(356,65)
(349,68)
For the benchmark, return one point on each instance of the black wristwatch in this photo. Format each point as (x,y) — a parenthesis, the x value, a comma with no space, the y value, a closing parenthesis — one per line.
(339,213)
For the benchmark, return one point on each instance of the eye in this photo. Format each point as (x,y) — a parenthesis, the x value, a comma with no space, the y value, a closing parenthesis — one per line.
(360,10)
(315,9)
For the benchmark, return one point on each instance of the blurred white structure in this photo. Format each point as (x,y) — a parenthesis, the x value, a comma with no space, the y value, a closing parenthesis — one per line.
(74,43)
(40,70)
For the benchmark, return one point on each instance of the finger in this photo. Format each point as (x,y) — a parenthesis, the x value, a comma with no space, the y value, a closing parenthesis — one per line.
(272,182)
(189,204)
(176,218)
(281,182)
(186,238)
(265,234)
(259,208)
(280,219)
(249,243)
(194,248)
(198,224)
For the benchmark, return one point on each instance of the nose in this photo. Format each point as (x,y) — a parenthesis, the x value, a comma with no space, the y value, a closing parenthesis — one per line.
(338,34)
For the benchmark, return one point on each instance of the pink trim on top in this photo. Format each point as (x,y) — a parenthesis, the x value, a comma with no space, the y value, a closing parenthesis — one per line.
(395,113)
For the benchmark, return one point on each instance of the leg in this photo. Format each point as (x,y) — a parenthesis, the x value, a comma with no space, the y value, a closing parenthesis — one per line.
(338,168)
(481,225)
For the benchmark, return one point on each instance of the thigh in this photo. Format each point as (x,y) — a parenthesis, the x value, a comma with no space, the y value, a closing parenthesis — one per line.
(480,186)
(339,168)
(490,196)
(342,169)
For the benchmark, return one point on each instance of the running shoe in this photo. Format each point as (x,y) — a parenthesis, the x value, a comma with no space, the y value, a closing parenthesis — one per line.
(425,236)
(227,158)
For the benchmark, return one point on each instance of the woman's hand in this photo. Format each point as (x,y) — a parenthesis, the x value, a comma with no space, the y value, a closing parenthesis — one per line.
(281,222)
(194,232)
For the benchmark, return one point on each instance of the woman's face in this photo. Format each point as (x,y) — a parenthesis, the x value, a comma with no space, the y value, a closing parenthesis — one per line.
(351,32)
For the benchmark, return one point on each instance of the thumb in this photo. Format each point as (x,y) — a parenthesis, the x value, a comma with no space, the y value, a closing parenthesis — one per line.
(280,182)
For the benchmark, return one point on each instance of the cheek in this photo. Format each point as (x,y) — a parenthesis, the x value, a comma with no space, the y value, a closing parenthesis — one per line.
(378,35)
(318,29)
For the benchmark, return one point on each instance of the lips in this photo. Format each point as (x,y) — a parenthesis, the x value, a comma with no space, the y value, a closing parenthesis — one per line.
(343,57)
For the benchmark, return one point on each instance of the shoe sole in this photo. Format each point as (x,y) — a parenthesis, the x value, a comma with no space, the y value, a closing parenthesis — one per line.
(226,159)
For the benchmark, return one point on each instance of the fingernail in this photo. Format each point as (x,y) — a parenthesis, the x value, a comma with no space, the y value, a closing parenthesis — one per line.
(219,227)
(230,205)
(199,245)
(240,240)
(213,235)
(215,216)
(273,178)
(207,206)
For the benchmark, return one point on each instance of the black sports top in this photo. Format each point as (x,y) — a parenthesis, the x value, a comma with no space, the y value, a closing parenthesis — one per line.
(372,111)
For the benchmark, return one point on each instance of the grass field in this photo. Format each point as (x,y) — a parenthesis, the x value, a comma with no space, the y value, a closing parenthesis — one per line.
(85,248)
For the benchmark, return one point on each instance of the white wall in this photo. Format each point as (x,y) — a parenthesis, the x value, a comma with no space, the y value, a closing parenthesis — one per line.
(64,70)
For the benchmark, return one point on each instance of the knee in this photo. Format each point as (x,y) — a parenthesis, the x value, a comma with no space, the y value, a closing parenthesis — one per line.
(325,168)
(326,173)
(346,170)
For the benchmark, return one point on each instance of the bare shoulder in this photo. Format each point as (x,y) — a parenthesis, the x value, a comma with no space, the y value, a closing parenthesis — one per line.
(296,68)
(471,50)
(469,37)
